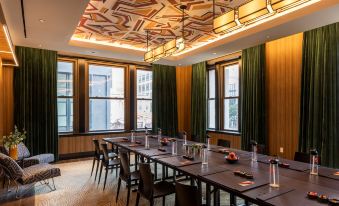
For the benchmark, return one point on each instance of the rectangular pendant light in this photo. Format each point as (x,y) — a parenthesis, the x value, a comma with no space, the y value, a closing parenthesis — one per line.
(148,57)
(254,11)
(158,52)
(282,5)
(170,47)
(225,23)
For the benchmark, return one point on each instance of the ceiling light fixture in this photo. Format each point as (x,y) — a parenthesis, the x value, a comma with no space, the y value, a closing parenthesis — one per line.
(174,46)
(42,20)
(9,41)
(251,12)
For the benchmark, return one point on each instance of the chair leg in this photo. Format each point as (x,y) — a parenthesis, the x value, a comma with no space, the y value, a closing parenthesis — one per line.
(137,200)
(93,166)
(96,172)
(105,178)
(102,165)
(151,201)
(163,200)
(119,184)
(128,191)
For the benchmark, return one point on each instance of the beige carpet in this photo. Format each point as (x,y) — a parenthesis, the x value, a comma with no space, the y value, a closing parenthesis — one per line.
(77,187)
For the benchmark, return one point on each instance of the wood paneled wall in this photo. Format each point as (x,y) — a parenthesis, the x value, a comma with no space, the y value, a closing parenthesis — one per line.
(6,100)
(184,76)
(283,84)
(234,139)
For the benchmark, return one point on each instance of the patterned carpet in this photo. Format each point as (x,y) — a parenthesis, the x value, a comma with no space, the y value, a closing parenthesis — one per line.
(77,187)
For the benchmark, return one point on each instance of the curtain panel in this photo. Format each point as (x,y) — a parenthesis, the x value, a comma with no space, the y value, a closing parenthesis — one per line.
(253,110)
(164,100)
(319,117)
(198,102)
(35,99)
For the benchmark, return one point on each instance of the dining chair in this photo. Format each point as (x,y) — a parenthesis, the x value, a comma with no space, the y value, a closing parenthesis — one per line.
(304,157)
(182,192)
(125,174)
(150,190)
(224,143)
(98,156)
(108,163)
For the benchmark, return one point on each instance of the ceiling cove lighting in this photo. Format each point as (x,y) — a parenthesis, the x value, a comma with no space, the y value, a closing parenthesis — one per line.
(9,41)
(251,12)
(174,46)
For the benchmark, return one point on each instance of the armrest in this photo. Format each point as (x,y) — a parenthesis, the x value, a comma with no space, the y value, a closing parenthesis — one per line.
(27,162)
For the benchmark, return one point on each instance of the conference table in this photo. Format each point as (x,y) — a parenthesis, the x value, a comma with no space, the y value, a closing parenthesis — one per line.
(295,181)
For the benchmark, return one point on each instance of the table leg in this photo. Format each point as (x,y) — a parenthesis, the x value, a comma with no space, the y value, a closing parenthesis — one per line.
(216,197)
(163,173)
(200,192)
(208,194)
(233,199)
(155,171)
(135,162)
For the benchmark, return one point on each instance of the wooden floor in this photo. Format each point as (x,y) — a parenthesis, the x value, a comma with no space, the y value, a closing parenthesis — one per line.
(77,187)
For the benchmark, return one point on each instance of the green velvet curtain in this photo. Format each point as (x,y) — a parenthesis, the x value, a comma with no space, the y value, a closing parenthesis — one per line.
(253,124)
(164,99)
(35,100)
(198,102)
(319,117)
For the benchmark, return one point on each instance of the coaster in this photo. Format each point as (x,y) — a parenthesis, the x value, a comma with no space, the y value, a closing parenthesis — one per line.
(336,173)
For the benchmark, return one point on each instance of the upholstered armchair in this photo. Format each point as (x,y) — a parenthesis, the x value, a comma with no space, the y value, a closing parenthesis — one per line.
(29,175)
(25,158)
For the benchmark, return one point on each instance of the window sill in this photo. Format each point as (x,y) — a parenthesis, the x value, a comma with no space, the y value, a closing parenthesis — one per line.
(234,133)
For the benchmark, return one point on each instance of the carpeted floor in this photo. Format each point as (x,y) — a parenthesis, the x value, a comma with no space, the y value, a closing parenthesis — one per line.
(77,187)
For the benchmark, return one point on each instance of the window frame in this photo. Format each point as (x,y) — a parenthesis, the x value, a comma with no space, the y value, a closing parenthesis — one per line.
(74,93)
(213,67)
(223,96)
(136,96)
(125,98)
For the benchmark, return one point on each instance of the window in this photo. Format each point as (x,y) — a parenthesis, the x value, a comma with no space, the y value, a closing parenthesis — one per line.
(211,123)
(65,96)
(231,97)
(106,97)
(144,99)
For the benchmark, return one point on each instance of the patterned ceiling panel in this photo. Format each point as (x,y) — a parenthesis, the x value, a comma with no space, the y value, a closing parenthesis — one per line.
(124,22)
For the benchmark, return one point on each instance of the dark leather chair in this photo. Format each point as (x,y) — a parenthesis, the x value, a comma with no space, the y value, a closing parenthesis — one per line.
(224,143)
(108,163)
(125,174)
(303,157)
(186,195)
(98,156)
(150,190)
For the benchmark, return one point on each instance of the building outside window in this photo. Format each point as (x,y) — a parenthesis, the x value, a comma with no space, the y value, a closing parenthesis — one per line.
(144,99)
(231,97)
(211,112)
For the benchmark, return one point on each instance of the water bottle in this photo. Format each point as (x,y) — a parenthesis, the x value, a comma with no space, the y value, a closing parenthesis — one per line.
(274,172)
(314,162)
(174,148)
(204,156)
(146,141)
(208,142)
(132,136)
(159,135)
(185,138)
(254,150)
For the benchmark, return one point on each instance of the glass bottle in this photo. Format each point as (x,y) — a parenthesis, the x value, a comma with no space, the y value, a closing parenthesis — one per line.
(254,150)
(314,162)
(174,148)
(274,172)
(204,156)
(132,136)
(146,141)
(185,138)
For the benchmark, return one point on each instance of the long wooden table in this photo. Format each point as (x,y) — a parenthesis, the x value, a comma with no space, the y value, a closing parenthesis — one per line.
(295,181)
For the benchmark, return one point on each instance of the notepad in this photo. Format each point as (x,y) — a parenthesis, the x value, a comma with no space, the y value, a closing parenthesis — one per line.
(246,183)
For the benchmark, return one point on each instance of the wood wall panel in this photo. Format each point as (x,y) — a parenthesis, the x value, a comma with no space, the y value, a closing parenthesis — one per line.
(184,76)
(234,139)
(283,82)
(6,100)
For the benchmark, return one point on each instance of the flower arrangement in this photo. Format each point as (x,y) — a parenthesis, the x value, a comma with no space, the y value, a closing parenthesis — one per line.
(13,139)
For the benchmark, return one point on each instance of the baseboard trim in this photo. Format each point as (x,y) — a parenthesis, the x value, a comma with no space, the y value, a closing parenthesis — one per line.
(75,155)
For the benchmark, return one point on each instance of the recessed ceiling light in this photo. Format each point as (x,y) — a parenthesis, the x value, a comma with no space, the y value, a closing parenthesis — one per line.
(92,52)
(40,45)
(214,53)
(179,64)
(267,37)
(42,20)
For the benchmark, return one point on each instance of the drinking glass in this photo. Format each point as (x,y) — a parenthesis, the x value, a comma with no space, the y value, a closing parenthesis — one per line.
(204,156)
(185,138)
(209,144)
(146,142)
(132,136)
(174,148)
(254,151)
(314,162)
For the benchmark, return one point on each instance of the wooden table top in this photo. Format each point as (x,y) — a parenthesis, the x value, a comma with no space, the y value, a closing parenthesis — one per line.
(295,181)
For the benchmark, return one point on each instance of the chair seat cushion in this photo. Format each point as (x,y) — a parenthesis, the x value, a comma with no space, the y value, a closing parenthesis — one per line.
(135,175)
(43,158)
(38,173)
(163,188)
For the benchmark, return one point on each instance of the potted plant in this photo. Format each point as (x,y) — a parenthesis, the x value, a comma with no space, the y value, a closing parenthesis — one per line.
(12,140)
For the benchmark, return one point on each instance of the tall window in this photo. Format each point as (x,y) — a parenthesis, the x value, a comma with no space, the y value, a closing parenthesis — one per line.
(231,97)
(65,96)
(144,99)
(106,97)
(211,100)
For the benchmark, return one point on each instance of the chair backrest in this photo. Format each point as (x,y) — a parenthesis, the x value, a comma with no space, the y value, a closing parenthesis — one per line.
(261,149)
(96,147)
(146,181)
(304,157)
(224,143)
(23,151)
(10,167)
(186,195)
(105,151)
(124,164)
